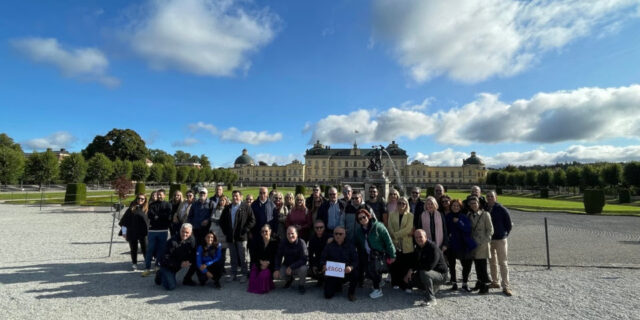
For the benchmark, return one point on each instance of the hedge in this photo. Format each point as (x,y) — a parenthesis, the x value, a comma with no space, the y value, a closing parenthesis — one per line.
(431,191)
(140,188)
(76,193)
(301,189)
(544,193)
(593,201)
(624,196)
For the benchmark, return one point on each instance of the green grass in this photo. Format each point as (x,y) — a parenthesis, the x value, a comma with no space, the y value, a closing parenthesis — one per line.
(530,203)
(34,195)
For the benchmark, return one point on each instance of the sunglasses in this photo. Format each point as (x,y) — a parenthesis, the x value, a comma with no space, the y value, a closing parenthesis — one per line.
(319,228)
(360,218)
(338,233)
(141,199)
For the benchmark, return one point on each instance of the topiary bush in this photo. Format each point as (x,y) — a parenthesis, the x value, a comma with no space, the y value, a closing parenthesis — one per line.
(274,186)
(593,201)
(301,189)
(140,188)
(624,195)
(498,191)
(431,191)
(177,187)
(76,193)
(544,193)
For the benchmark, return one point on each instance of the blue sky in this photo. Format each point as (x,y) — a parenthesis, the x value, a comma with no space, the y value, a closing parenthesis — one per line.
(519,82)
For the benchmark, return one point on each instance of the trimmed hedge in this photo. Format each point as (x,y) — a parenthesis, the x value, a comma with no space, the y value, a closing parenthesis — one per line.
(498,191)
(624,196)
(431,191)
(140,188)
(301,189)
(274,186)
(544,193)
(177,187)
(593,201)
(76,193)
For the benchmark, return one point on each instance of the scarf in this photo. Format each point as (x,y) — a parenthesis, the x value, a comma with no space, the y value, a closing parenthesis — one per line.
(426,223)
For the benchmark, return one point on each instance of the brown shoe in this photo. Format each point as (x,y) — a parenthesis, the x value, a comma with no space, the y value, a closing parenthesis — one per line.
(507,292)
(494,286)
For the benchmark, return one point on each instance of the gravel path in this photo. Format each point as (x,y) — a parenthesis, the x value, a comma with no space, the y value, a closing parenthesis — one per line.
(53,263)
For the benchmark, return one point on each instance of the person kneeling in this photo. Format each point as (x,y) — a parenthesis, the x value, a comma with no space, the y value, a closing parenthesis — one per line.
(429,269)
(180,253)
(340,251)
(209,263)
(295,255)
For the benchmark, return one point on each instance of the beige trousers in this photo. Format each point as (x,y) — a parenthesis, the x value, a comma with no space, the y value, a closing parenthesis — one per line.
(499,257)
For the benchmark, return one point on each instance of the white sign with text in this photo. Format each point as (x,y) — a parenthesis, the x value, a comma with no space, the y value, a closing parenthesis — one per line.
(335,269)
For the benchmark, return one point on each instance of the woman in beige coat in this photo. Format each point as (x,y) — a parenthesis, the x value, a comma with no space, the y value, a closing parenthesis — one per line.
(481,231)
(401,232)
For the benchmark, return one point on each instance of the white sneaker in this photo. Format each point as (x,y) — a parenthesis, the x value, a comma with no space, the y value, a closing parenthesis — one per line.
(375,294)
(134,267)
(409,291)
(396,287)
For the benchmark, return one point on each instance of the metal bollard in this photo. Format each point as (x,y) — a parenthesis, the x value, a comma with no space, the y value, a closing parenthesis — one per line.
(546,236)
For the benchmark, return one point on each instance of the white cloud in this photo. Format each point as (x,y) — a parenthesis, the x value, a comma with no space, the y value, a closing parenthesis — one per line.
(203,126)
(586,114)
(55,141)
(580,153)
(204,37)
(470,40)
(281,160)
(88,64)
(250,137)
(185,142)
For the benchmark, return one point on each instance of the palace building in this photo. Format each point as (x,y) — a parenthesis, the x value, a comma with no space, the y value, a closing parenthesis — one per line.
(325,165)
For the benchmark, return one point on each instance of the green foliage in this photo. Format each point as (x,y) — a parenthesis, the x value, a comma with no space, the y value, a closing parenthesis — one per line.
(182,174)
(544,177)
(193,175)
(177,187)
(431,191)
(531,178)
(300,189)
(593,201)
(161,157)
(122,186)
(574,175)
(99,169)
(76,193)
(624,195)
(498,191)
(11,162)
(611,174)
(502,178)
(169,173)
(121,169)
(631,173)
(559,178)
(544,193)
(206,174)
(6,141)
(139,171)
(73,168)
(124,144)
(42,167)
(140,188)
(204,161)
(590,176)
(274,186)
(155,173)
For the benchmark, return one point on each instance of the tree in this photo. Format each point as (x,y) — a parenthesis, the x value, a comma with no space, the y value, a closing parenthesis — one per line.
(559,178)
(139,171)
(631,173)
(544,177)
(502,178)
(206,174)
(573,177)
(204,161)
(160,156)
(169,173)
(193,175)
(121,169)
(155,173)
(531,178)
(492,177)
(182,156)
(99,169)
(590,176)
(42,167)
(612,174)
(124,144)
(6,141)
(73,168)
(182,174)
(11,163)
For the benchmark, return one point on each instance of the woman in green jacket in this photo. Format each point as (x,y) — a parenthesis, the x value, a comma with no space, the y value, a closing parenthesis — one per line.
(373,240)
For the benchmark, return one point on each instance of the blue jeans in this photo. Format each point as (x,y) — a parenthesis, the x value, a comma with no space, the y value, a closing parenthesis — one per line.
(167,278)
(155,247)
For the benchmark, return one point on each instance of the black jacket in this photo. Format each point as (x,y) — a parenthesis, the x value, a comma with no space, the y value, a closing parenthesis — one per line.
(323,211)
(244,221)
(379,208)
(159,215)
(345,253)
(419,208)
(295,254)
(428,258)
(259,251)
(136,222)
(177,251)
(316,246)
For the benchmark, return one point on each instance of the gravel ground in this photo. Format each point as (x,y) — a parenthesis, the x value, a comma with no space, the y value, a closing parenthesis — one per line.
(54,263)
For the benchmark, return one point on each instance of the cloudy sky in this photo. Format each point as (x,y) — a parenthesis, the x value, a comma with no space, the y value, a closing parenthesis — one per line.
(519,82)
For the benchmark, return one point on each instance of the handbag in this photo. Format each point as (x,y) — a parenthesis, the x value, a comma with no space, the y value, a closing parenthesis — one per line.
(379,259)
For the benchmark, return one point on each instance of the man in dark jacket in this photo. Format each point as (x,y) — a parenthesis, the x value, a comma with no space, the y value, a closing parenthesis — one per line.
(377,203)
(317,242)
(332,212)
(350,212)
(236,222)
(216,197)
(159,214)
(501,228)
(475,192)
(416,206)
(347,193)
(294,252)
(315,193)
(429,269)
(341,251)
(200,216)
(264,211)
(179,253)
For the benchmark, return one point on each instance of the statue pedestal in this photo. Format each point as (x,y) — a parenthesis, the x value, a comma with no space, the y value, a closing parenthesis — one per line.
(378,179)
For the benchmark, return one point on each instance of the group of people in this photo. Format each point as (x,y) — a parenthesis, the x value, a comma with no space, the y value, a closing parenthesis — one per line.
(287,237)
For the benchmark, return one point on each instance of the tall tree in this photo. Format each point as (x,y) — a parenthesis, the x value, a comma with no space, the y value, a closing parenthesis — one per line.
(6,141)
(204,161)
(121,169)
(590,176)
(544,177)
(193,175)
(631,173)
(155,173)
(11,164)
(531,178)
(559,178)
(574,175)
(612,174)
(182,174)
(169,173)
(73,168)
(118,143)
(182,156)
(160,156)
(42,167)
(139,171)
(99,169)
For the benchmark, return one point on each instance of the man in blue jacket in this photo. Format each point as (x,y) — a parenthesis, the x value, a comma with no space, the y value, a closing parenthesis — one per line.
(294,252)
(501,228)
(264,212)
(200,216)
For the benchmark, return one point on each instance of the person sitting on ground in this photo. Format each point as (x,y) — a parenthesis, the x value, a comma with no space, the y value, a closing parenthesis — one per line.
(209,263)
(294,252)
(135,225)
(317,244)
(180,253)
(341,251)
(263,257)
(428,268)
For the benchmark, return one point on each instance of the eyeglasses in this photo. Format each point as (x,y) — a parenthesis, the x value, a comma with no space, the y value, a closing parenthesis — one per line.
(338,233)
(360,218)
(265,231)
(263,193)
(141,199)
(332,194)
(415,193)
(319,228)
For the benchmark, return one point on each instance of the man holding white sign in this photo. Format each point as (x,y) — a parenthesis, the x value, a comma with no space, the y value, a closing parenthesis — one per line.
(339,260)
